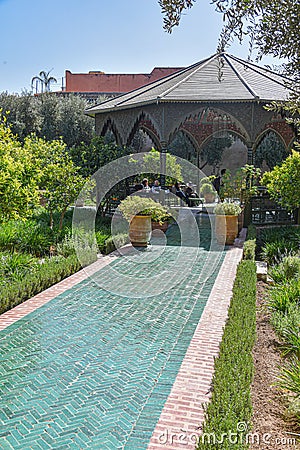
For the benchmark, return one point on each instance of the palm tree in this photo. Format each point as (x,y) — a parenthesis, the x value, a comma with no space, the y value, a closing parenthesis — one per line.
(45,79)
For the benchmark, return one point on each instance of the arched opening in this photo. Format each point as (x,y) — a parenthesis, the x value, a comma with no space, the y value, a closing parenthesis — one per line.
(270,151)
(184,146)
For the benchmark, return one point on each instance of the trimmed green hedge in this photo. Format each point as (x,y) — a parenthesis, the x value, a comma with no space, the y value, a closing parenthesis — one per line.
(49,273)
(230,407)
(250,244)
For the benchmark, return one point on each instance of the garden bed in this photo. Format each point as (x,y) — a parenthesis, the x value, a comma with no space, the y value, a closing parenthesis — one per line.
(267,401)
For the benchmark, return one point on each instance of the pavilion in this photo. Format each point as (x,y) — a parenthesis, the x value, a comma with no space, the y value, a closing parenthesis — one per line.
(220,94)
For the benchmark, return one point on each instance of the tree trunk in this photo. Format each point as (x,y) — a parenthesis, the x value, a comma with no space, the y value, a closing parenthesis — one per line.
(62,218)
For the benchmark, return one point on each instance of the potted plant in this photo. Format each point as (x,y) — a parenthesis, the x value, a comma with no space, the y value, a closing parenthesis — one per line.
(139,212)
(208,192)
(227,222)
(241,186)
(160,218)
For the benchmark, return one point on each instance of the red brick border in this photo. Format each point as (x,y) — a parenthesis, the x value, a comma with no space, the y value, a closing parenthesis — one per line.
(182,416)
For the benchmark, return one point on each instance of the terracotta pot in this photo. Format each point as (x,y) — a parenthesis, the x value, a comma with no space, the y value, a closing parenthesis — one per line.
(156,226)
(226,229)
(140,231)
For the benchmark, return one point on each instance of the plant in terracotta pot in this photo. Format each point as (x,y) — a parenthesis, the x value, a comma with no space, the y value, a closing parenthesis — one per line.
(160,218)
(208,192)
(139,212)
(227,222)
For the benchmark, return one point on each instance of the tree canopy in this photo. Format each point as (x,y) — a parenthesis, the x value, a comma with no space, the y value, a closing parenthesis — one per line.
(271,25)
(283,182)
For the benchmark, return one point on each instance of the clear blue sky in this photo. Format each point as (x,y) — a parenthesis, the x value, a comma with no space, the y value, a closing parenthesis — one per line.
(116,36)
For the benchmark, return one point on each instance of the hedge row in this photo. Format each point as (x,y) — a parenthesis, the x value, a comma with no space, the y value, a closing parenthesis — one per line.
(230,410)
(250,244)
(51,272)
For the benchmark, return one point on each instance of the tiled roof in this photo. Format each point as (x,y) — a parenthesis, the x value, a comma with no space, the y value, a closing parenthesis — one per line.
(221,77)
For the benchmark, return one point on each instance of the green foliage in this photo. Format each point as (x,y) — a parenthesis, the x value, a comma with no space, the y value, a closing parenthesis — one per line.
(274,252)
(281,296)
(273,234)
(231,402)
(227,209)
(283,182)
(152,166)
(114,242)
(275,243)
(284,303)
(13,266)
(288,269)
(249,249)
(289,378)
(207,188)
(270,26)
(287,327)
(291,337)
(101,239)
(21,113)
(47,274)
(19,177)
(48,116)
(213,150)
(251,233)
(95,154)
(172,11)
(60,180)
(181,146)
(135,205)
(26,236)
(289,318)
(242,185)
(272,150)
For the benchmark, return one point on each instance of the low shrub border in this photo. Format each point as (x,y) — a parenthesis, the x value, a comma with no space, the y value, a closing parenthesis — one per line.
(250,244)
(230,410)
(53,271)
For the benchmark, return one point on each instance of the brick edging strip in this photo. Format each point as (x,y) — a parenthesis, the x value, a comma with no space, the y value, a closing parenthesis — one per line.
(180,422)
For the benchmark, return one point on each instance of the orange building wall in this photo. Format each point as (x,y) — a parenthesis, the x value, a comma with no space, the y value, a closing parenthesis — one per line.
(113,83)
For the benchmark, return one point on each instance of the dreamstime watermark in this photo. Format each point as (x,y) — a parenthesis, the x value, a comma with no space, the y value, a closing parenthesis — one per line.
(240,436)
(179,264)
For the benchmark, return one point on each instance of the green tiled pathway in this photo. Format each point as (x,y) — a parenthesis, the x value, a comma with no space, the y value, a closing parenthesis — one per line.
(92,369)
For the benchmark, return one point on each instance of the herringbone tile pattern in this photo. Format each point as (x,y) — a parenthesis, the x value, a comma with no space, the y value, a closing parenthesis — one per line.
(92,369)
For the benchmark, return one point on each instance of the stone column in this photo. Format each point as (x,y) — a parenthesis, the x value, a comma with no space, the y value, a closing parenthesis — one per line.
(250,158)
(163,162)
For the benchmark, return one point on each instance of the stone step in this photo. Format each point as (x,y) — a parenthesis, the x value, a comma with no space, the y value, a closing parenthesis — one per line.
(261,271)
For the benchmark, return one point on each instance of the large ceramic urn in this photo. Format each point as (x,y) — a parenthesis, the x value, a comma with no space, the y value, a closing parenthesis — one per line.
(140,230)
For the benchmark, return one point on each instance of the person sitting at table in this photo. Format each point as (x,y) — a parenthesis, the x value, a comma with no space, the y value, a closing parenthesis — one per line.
(146,187)
(179,192)
(191,195)
(156,187)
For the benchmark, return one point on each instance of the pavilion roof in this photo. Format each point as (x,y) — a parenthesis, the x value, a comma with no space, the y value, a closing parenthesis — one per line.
(220,78)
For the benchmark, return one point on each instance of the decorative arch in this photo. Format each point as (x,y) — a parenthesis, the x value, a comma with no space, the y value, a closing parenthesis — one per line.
(281,128)
(147,126)
(109,125)
(265,133)
(208,122)
(146,123)
(191,138)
